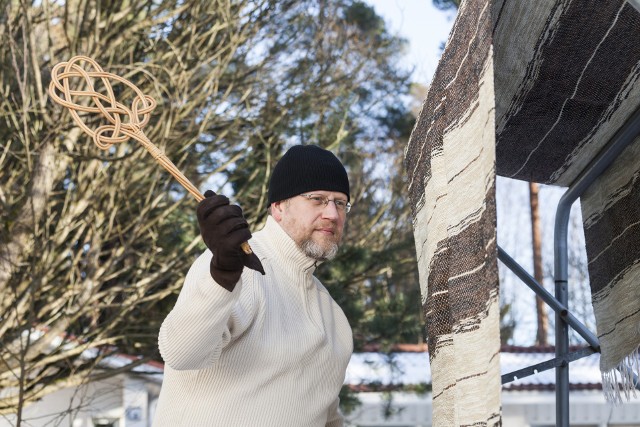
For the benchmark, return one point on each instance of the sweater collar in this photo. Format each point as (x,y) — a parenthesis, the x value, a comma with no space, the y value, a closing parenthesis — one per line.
(285,249)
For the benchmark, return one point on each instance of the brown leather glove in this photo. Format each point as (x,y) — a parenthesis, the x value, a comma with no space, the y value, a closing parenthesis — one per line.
(223,229)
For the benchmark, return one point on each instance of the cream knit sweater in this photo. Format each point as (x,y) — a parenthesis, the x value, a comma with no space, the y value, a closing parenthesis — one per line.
(272,353)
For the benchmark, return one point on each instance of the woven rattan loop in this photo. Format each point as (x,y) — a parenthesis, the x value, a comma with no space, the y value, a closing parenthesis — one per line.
(123,122)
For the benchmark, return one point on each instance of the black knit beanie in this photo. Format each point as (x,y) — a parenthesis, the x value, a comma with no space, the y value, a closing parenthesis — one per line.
(307,168)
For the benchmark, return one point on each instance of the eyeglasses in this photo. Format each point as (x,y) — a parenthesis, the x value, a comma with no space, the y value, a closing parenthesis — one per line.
(320,200)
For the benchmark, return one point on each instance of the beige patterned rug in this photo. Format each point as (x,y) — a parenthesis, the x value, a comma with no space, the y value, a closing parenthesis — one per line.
(531,90)
(450,159)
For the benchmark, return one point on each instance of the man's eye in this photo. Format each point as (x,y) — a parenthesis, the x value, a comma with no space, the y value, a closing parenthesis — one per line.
(316,199)
(340,203)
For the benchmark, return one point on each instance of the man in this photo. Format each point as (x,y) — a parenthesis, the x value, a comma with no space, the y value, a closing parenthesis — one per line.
(262,346)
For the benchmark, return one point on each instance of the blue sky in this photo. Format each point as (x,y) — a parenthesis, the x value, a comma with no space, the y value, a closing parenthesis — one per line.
(424,26)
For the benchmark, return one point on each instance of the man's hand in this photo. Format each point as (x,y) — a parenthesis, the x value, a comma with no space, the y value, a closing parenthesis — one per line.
(223,229)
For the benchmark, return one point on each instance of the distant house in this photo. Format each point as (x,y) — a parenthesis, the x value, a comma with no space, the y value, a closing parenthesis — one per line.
(394,391)
(125,400)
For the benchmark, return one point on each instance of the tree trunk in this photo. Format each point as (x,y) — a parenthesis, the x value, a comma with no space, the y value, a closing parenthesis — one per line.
(536,240)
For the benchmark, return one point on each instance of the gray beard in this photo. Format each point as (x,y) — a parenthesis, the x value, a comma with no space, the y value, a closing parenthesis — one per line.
(315,251)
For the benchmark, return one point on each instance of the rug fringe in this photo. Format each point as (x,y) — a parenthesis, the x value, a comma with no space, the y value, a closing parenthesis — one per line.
(620,380)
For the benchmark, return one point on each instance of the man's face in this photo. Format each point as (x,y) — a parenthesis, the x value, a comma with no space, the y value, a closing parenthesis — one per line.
(317,229)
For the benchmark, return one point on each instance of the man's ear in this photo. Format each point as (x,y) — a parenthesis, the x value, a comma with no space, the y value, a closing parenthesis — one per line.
(276,210)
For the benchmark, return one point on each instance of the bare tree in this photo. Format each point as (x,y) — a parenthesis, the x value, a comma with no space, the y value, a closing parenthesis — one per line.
(91,243)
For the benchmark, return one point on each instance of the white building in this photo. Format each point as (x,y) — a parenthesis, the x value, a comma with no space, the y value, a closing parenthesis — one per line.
(128,400)
(125,400)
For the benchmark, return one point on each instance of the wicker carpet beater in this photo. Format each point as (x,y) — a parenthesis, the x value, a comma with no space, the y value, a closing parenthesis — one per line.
(124,122)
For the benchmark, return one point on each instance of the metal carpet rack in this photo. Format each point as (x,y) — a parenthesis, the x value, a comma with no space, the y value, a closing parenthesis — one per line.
(559,302)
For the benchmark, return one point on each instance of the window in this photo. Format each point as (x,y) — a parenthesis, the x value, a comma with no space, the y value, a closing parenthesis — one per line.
(105,422)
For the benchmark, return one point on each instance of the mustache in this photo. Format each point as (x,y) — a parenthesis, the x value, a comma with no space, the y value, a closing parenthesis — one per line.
(328,226)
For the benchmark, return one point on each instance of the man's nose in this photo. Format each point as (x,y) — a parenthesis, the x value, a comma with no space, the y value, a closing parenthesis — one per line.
(330,210)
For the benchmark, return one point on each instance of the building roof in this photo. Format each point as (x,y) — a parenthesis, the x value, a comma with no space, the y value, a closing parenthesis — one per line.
(374,371)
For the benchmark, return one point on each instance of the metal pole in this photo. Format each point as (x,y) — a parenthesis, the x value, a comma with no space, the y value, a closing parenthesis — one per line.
(546,296)
(623,137)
